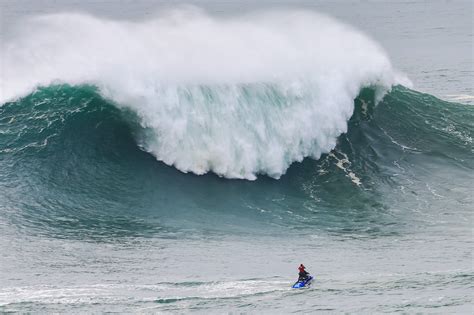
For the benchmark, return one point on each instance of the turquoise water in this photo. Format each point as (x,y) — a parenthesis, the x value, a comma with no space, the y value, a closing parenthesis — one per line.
(139,177)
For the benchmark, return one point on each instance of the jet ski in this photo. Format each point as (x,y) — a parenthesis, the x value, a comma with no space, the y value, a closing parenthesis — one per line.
(303,283)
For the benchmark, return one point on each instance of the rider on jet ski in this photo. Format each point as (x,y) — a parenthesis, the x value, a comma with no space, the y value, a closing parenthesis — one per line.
(303,274)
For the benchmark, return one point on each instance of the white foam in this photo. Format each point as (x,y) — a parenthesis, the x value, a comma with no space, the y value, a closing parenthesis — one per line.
(238,96)
(344,164)
(460,97)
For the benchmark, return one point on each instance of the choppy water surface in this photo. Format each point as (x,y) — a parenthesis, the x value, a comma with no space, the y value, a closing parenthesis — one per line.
(163,159)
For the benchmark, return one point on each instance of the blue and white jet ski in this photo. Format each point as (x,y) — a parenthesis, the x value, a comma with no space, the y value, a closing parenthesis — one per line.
(303,283)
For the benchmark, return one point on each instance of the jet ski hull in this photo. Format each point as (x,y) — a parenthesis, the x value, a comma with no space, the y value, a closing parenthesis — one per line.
(303,284)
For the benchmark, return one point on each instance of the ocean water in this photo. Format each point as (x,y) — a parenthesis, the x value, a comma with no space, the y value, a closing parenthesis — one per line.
(163,157)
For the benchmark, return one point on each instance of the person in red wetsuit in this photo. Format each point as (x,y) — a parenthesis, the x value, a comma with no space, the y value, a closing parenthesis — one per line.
(303,274)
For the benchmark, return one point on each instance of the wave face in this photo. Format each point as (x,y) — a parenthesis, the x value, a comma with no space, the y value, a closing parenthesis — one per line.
(239,96)
(71,167)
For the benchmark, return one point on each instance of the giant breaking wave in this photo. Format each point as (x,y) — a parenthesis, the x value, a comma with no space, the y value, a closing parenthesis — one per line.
(238,96)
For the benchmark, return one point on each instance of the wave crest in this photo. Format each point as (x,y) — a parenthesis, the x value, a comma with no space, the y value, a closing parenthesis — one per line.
(238,96)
